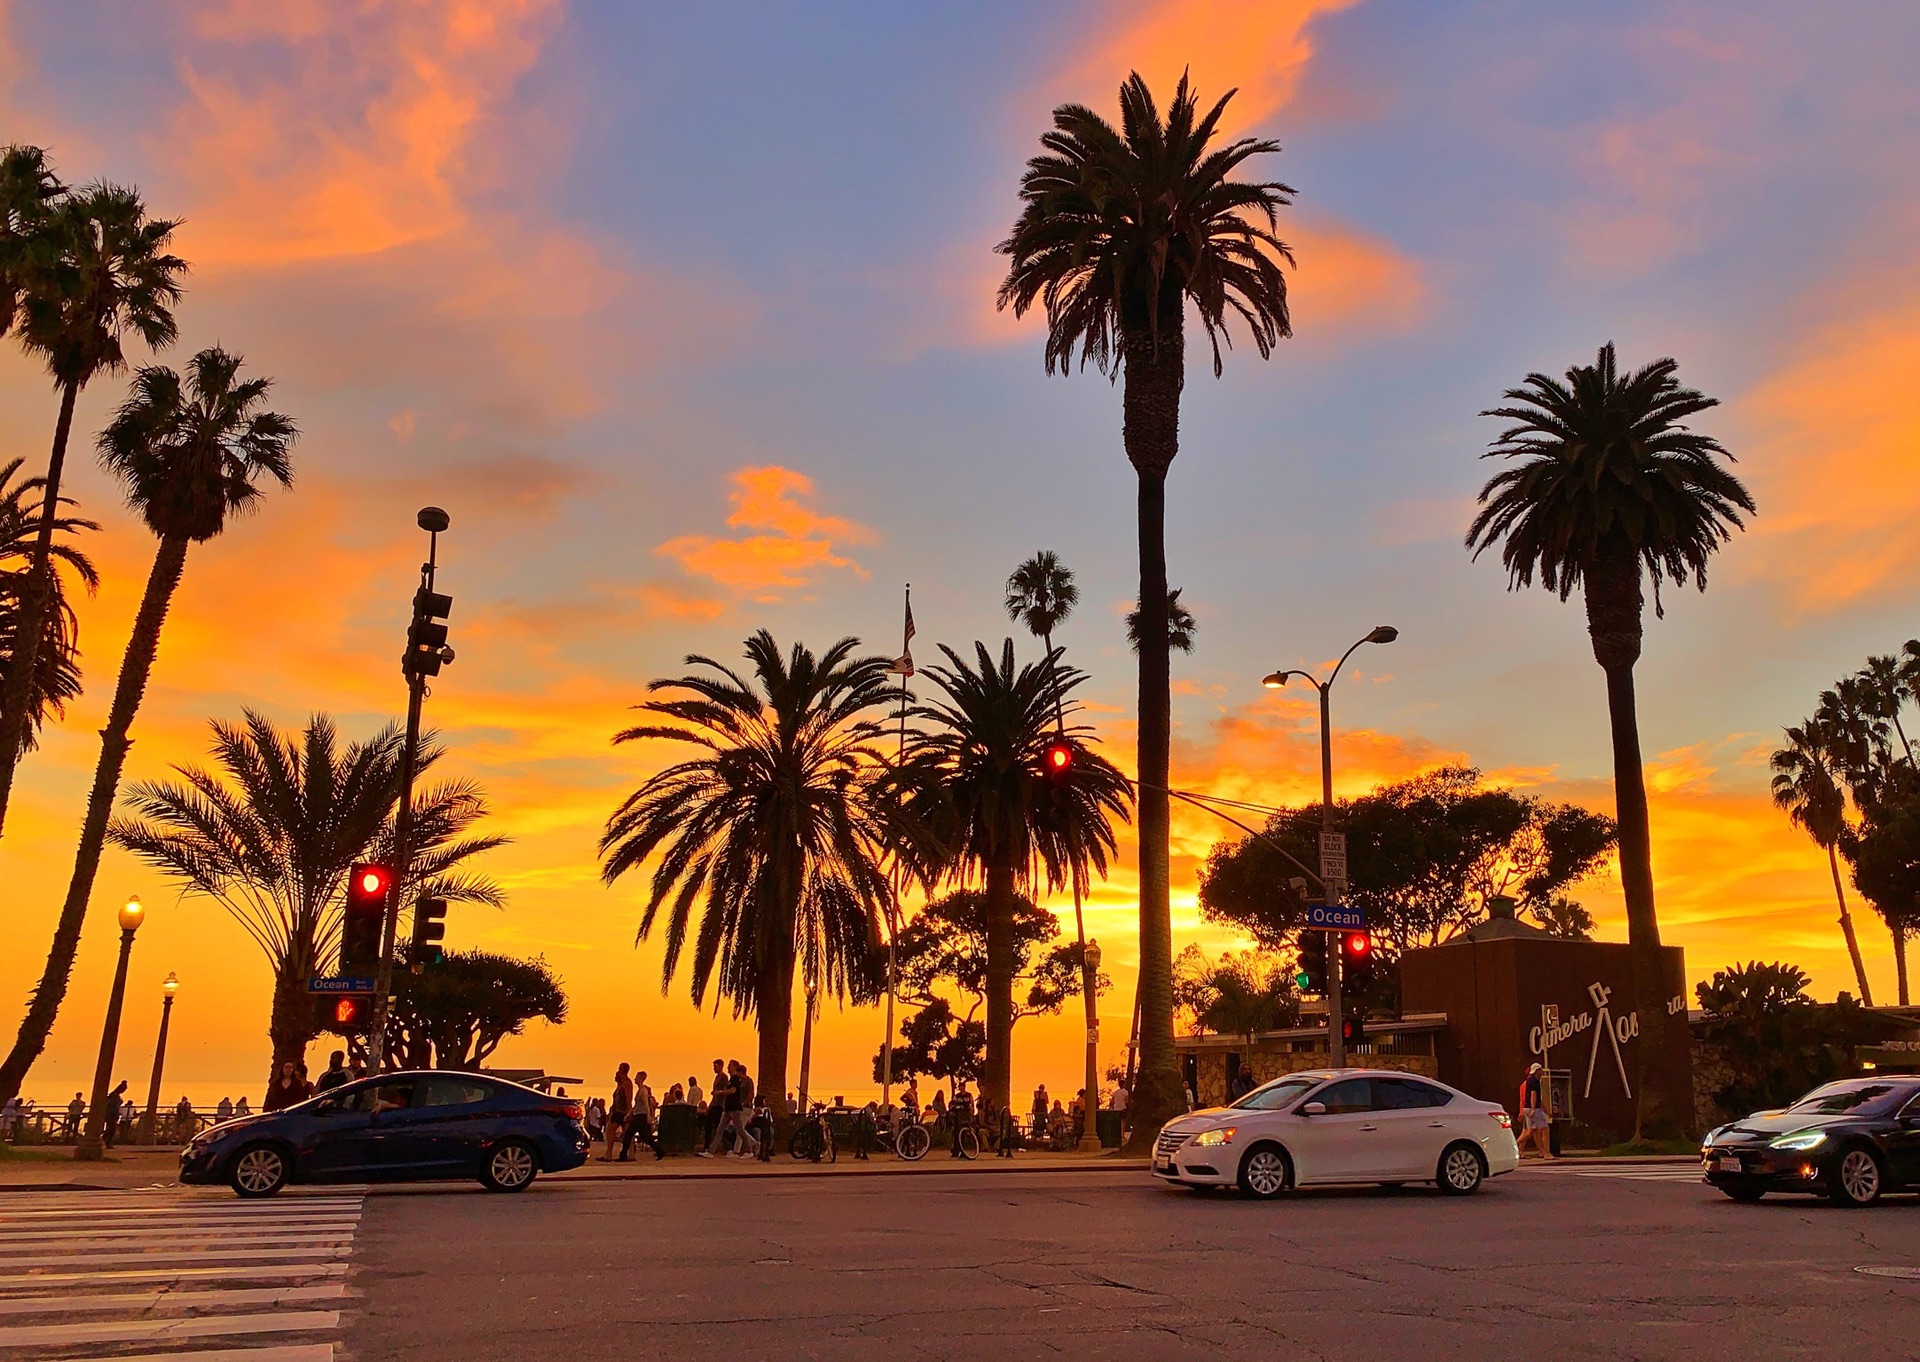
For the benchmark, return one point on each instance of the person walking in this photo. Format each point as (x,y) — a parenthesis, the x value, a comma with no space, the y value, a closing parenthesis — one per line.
(336,1073)
(110,1128)
(288,1089)
(739,1108)
(621,1109)
(640,1122)
(1536,1126)
(715,1114)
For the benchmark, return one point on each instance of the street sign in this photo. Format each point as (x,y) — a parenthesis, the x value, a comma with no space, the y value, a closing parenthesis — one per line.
(1341,917)
(1333,857)
(350,984)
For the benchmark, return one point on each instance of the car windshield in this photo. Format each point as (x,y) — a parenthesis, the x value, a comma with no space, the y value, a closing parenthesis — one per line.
(1853,1099)
(1272,1096)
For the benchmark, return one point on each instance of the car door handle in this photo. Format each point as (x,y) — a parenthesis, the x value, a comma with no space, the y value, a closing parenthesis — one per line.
(1369,1127)
(1436,1125)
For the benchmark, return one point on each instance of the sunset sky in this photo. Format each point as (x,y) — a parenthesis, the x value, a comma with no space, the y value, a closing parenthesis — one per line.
(685,314)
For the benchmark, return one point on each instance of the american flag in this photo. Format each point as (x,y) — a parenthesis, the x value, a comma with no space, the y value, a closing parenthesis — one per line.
(903,664)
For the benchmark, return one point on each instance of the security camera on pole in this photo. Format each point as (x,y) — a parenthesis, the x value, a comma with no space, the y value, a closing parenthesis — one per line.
(427,652)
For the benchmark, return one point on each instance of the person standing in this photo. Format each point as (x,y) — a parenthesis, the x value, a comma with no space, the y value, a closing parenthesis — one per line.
(694,1095)
(621,1109)
(760,1129)
(739,1108)
(1042,1106)
(716,1112)
(76,1112)
(961,1111)
(640,1123)
(110,1128)
(336,1073)
(287,1089)
(866,1124)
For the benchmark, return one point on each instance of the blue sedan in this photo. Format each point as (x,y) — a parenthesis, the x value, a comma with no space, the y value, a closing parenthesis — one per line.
(396,1127)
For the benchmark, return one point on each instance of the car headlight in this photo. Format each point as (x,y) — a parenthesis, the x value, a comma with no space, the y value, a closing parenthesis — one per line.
(1799,1139)
(1217,1136)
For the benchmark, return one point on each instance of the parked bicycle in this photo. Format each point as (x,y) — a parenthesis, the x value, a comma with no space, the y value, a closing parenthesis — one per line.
(812,1138)
(913,1142)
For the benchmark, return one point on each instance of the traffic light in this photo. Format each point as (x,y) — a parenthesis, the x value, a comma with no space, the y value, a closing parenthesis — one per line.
(366,916)
(427,648)
(351,1015)
(429,928)
(1353,1028)
(1358,969)
(1058,761)
(1311,976)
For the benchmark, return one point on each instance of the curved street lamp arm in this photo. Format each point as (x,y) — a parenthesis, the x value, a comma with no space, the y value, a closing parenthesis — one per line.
(1198,802)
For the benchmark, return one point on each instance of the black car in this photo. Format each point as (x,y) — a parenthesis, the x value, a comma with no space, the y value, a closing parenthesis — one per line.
(1852,1141)
(396,1127)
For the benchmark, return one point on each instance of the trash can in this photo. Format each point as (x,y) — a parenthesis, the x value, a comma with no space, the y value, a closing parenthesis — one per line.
(1109,1127)
(679,1128)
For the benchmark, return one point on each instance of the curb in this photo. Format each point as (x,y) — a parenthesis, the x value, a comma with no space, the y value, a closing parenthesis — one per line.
(980,1168)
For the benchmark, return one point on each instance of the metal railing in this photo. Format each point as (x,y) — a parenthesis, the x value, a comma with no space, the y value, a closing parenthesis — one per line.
(33,1125)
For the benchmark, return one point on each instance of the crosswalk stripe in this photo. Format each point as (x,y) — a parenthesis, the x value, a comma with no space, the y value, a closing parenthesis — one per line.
(226,1229)
(160,1330)
(1638,1176)
(282,1352)
(110,1243)
(249,1273)
(226,1205)
(340,1250)
(170,1300)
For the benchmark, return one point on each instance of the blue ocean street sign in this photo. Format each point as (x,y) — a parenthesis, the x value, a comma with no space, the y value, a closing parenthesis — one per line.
(350,984)
(1338,918)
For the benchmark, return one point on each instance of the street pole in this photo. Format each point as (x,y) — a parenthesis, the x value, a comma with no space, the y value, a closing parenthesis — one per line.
(1089,976)
(149,1122)
(433,521)
(1336,1037)
(92,1144)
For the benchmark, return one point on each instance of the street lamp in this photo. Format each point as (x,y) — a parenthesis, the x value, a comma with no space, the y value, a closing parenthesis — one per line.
(1333,884)
(1090,977)
(148,1123)
(92,1145)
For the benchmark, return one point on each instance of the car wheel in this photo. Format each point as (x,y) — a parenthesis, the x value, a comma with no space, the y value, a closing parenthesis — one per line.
(1857,1178)
(1747,1194)
(1462,1169)
(258,1170)
(510,1167)
(1264,1173)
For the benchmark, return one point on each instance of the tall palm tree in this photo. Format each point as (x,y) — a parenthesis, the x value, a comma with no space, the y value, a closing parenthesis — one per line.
(1806,786)
(103,272)
(1181,625)
(58,664)
(779,828)
(1041,594)
(976,776)
(1608,488)
(191,454)
(270,834)
(28,192)
(1121,230)
(1890,683)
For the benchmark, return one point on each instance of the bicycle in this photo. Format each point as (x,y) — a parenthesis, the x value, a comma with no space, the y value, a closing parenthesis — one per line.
(812,1138)
(913,1142)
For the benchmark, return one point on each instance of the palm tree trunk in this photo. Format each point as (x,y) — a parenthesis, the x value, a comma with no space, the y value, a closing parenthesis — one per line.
(16,697)
(773,1015)
(1846,927)
(1899,965)
(996,1081)
(137,665)
(291,1025)
(1614,605)
(1154,375)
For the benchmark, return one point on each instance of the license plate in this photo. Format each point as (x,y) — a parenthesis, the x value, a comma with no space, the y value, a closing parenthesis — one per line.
(1163,1166)
(1726,1164)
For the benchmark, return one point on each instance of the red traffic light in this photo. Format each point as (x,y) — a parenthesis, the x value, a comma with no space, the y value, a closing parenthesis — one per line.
(368,884)
(1059,758)
(1358,944)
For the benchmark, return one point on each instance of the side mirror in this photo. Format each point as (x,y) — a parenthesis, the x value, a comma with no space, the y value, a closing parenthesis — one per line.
(1314,1109)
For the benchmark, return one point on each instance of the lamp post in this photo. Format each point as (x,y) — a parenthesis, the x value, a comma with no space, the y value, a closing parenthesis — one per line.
(1090,977)
(92,1143)
(149,1123)
(1334,885)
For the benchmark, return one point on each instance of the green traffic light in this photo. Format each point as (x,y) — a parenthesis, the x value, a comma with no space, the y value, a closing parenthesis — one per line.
(1301,980)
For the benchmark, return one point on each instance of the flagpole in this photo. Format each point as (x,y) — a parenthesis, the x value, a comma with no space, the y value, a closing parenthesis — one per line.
(904,664)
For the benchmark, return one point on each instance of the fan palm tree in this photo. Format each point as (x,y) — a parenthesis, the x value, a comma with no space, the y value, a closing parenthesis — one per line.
(1120,231)
(271,832)
(1181,625)
(1890,684)
(28,192)
(58,663)
(191,454)
(779,828)
(1041,594)
(1608,488)
(101,273)
(1806,786)
(976,777)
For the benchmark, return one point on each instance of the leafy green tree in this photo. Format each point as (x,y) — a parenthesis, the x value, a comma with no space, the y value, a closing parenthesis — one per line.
(270,833)
(1885,854)
(945,947)
(1243,993)
(191,454)
(974,776)
(1807,787)
(1778,1041)
(58,663)
(1121,230)
(940,1044)
(454,1015)
(1609,488)
(779,828)
(1424,857)
(1181,625)
(96,271)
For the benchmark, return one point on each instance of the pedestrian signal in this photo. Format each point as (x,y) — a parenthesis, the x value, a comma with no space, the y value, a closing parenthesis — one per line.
(350,1014)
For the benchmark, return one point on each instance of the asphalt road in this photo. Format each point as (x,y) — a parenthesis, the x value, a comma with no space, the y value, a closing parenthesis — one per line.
(1553,1264)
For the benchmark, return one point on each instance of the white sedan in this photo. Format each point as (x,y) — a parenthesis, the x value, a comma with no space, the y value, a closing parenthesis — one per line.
(1340,1125)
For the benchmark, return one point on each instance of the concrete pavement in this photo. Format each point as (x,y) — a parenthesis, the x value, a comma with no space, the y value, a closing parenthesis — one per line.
(1571,1262)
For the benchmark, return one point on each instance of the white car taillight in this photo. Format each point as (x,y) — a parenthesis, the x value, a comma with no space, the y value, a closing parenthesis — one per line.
(1502,1119)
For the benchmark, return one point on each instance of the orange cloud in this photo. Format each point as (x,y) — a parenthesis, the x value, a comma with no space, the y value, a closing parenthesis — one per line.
(1834,453)
(797,545)
(1346,281)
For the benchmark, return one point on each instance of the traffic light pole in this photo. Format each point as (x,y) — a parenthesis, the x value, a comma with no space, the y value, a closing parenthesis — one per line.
(1336,1034)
